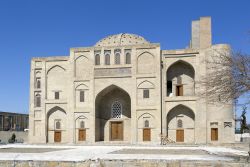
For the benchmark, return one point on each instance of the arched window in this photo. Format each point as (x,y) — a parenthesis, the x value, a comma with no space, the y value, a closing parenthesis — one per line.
(82,96)
(38,83)
(179,124)
(117,58)
(82,124)
(128,58)
(107,59)
(38,100)
(58,125)
(146,124)
(97,59)
(116,110)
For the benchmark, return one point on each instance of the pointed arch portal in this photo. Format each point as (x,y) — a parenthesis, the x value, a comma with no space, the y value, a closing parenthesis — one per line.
(181,124)
(112,114)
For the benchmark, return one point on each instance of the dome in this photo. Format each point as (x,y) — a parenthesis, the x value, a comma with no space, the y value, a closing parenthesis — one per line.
(121,40)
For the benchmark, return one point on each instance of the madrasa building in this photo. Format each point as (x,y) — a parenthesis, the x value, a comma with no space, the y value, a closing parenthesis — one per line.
(125,89)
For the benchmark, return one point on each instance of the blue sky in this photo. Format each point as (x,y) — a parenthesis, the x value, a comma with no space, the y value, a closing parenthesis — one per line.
(40,28)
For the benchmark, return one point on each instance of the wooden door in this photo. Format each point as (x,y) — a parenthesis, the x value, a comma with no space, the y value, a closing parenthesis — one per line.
(82,135)
(57,136)
(146,134)
(214,134)
(179,90)
(180,135)
(116,131)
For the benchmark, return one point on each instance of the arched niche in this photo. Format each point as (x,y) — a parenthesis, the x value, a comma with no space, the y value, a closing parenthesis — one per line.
(82,67)
(146,117)
(56,77)
(145,63)
(181,119)
(180,79)
(55,115)
(146,85)
(106,103)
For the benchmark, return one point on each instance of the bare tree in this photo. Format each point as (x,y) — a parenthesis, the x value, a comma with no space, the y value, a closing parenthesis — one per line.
(243,122)
(228,76)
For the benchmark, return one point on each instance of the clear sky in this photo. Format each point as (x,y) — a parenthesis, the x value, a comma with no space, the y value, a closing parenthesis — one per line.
(40,28)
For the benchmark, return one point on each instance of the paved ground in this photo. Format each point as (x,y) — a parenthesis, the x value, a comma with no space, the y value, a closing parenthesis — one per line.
(110,152)
(28,150)
(161,151)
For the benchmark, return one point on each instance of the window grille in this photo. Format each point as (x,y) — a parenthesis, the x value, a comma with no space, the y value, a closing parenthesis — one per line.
(117,58)
(116,110)
(179,124)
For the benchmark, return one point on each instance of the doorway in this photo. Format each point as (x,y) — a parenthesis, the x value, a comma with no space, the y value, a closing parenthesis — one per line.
(214,134)
(116,131)
(146,134)
(179,90)
(82,135)
(180,135)
(57,136)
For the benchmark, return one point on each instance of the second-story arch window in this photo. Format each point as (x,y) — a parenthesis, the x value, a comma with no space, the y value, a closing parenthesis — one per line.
(107,59)
(179,123)
(128,58)
(117,58)
(116,110)
(97,59)
(38,84)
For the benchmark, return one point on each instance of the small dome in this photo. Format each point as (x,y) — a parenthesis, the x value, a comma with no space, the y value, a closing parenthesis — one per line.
(121,40)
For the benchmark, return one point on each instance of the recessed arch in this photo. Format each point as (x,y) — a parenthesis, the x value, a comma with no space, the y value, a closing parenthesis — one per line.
(180,77)
(54,115)
(146,84)
(146,61)
(182,61)
(81,117)
(150,118)
(144,53)
(54,109)
(38,74)
(109,88)
(82,67)
(181,109)
(54,67)
(145,114)
(112,104)
(181,105)
(81,56)
(81,86)
(181,124)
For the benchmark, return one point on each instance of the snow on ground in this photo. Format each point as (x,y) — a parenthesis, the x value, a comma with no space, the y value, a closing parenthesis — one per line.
(81,153)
